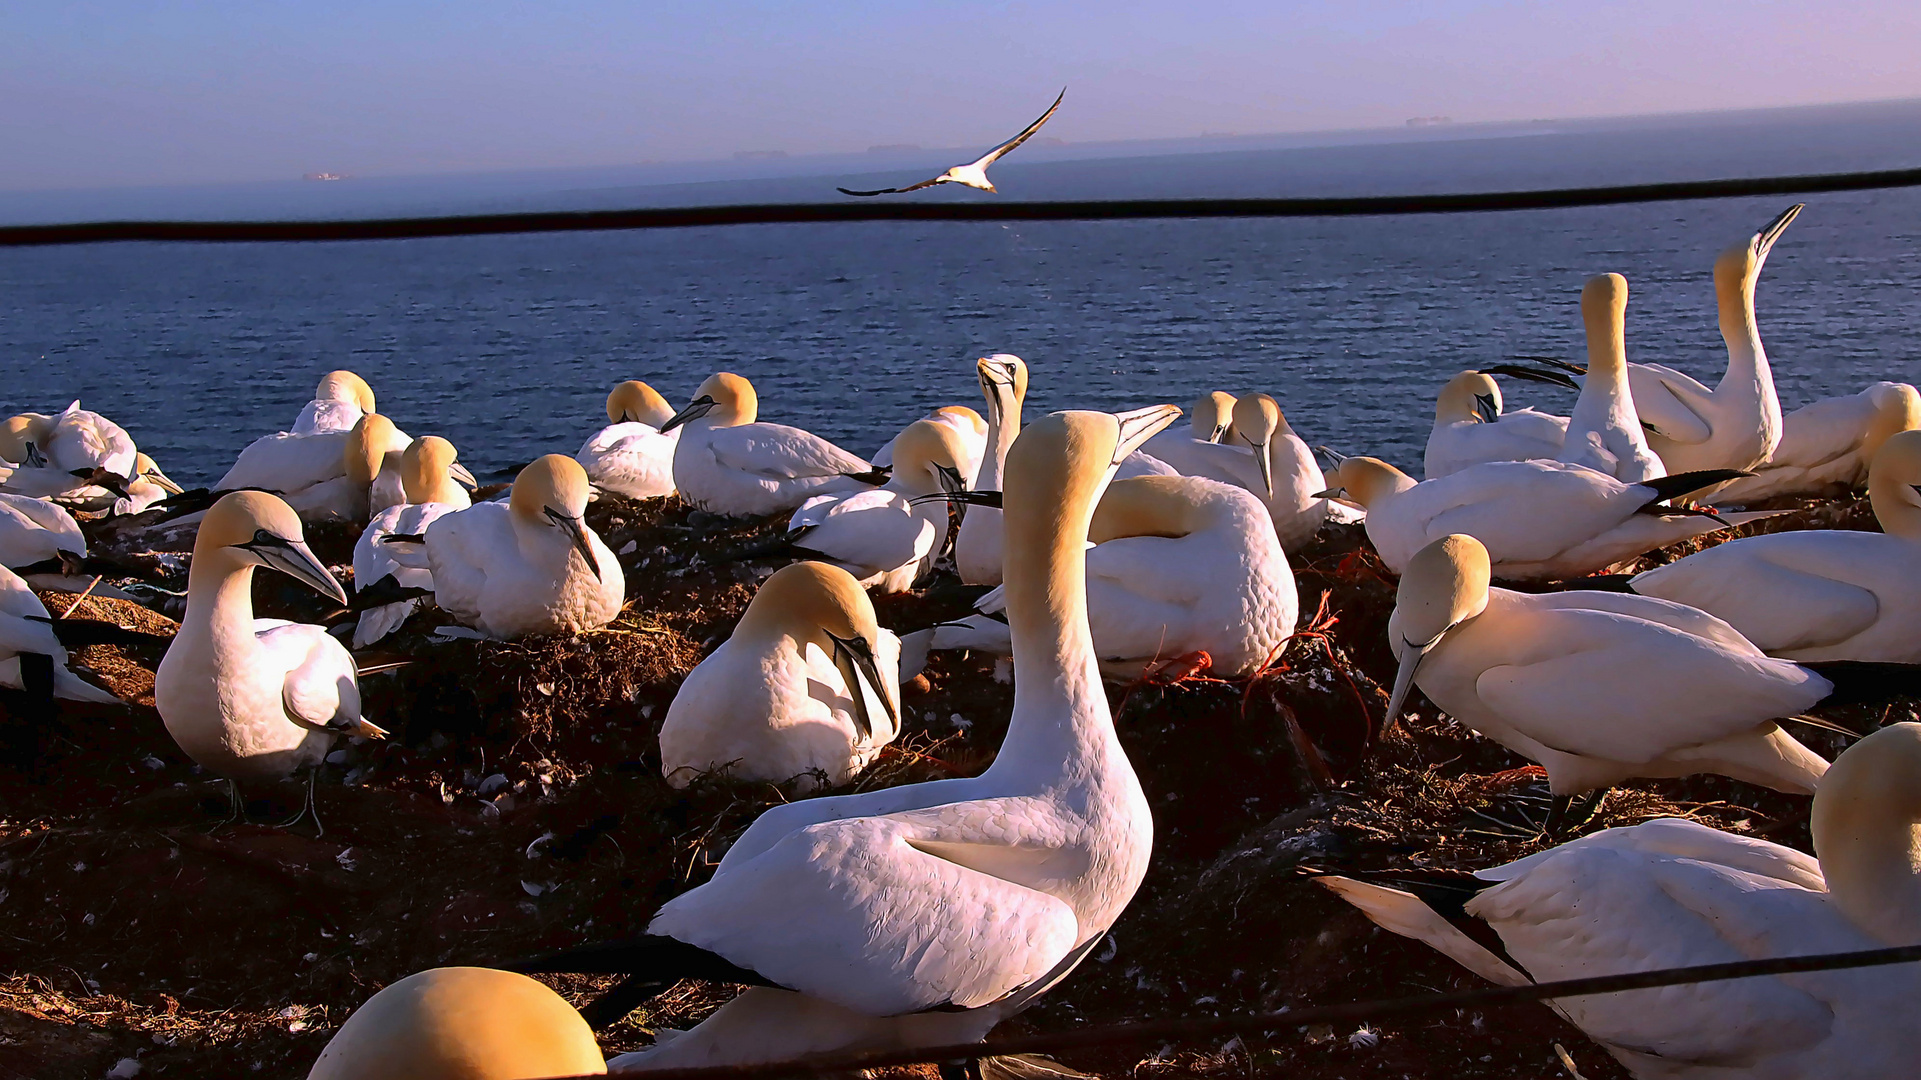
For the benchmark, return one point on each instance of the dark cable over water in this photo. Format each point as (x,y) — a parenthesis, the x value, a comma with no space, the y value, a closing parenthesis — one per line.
(866,210)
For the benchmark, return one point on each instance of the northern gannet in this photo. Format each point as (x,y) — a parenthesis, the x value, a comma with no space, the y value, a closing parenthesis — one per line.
(1539,519)
(526,566)
(1471,427)
(889,536)
(1675,893)
(1819,594)
(389,488)
(339,402)
(967,425)
(255,699)
(67,456)
(29,649)
(1180,566)
(325,473)
(1598,687)
(1211,421)
(808,683)
(431,492)
(34,531)
(1604,431)
(1265,457)
(974,173)
(928,913)
(631,456)
(727,463)
(977,543)
(1829,443)
(149,486)
(461,1023)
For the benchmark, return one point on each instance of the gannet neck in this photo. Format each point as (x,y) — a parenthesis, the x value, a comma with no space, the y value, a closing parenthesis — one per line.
(1897,408)
(346,387)
(1892,476)
(1604,303)
(366,448)
(922,452)
(1748,375)
(1369,480)
(1005,388)
(220,604)
(1867,833)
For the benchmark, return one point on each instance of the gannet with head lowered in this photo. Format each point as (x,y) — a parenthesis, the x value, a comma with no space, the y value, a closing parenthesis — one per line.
(888,537)
(461,1023)
(630,456)
(430,492)
(1471,426)
(339,402)
(729,463)
(319,475)
(808,683)
(1676,893)
(969,428)
(928,913)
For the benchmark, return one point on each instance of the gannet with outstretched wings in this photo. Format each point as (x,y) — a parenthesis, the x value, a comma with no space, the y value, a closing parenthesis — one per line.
(974,173)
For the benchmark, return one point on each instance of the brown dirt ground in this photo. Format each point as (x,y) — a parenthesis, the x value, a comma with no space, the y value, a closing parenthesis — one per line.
(519,808)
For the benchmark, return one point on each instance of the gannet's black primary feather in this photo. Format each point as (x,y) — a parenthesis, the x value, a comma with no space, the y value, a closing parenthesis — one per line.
(652,962)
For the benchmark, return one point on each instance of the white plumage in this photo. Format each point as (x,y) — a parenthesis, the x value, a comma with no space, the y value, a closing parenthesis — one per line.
(340,400)
(977,543)
(880,535)
(727,463)
(1604,430)
(631,456)
(321,474)
(35,530)
(1471,427)
(1829,443)
(26,628)
(970,431)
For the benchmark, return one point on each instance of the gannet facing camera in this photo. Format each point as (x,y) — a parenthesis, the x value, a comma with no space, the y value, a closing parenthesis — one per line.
(1471,427)
(1820,594)
(339,402)
(255,699)
(1604,431)
(1539,519)
(461,1023)
(808,683)
(977,543)
(1675,893)
(1829,443)
(439,468)
(430,492)
(728,463)
(529,565)
(631,456)
(1290,479)
(1599,687)
(888,537)
(969,428)
(925,914)
(328,473)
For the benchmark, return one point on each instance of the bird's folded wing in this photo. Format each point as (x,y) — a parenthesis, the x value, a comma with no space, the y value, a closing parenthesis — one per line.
(1817,433)
(1524,511)
(319,690)
(287,463)
(1156,568)
(1785,606)
(1624,689)
(1682,838)
(779,452)
(1676,616)
(1670,402)
(854,913)
(876,538)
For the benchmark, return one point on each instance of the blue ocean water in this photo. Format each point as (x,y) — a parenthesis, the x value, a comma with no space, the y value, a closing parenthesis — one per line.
(507,345)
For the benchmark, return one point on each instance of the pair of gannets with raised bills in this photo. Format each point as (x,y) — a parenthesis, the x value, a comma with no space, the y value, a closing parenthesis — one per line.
(1471,426)
(729,463)
(430,492)
(1602,687)
(255,699)
(808,683)
(461,1023)
(1180,566)
(1829,443)
(927,913)
(1674,893)
(631,456)
(529,565)
(888,537)
(1539,519)
(1820,594)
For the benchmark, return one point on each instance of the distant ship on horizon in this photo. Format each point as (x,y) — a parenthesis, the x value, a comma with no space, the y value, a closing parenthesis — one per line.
(325,176)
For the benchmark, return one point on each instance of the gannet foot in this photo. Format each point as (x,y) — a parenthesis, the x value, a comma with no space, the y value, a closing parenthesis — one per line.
(1569,812)
(307,807)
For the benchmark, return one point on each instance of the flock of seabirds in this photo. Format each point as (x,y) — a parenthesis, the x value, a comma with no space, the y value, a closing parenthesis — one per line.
(925,914)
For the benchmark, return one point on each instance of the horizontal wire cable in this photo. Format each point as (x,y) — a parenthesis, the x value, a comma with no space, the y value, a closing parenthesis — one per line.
(866,210)
(1193,1027)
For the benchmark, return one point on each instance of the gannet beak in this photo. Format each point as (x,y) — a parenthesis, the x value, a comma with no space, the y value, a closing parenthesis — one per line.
(1411,659)
(1267,467)
(695,409)
(576,531)
(1763,241)
(963,498)
(35,458)
(463,477)
(854,657)
(159,480)
(1140,425)
(1332,455)
(1219,430)
(1485,410)
(950,479)
(296,560)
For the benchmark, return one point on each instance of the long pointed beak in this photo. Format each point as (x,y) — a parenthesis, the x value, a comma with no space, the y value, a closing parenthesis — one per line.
(462,476)
(950,479)
(1763,241)
(1219,430)
(1332,455)
(964,498)
(159,480)
(576,531)
(296,560)
(1516,371)
(1404,681)
(1140,425)
(855,660)
(1267,467)
(695,409)
(35,458)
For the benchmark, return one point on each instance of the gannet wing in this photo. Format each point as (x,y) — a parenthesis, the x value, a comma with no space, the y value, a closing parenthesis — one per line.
(1763,587)
(319,690)
(871,530)
(1157,569)
(1668,401)
(779,452)
(881,915)
(1824,430)
(286,462)
(894,190)
(1026,133)
(462,549)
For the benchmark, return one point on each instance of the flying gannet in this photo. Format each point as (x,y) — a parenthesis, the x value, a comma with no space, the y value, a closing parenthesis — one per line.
(974,173)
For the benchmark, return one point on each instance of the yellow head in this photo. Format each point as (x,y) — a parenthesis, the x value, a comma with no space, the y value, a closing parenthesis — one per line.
(373,435)
(633,401)
(1366,480)
(255,528)
(1003,376)
(1147,506)
(552,492)
(1471,396)
(1738,266)
(728,398)
(1213,415)
(822,604)
(1604,305)
(1055,473)
(145,468)
(1444,585)
(345,386)
(426,470)
(927,458)
(1896,408)
(20,439)
(1894,485)
(461,1023)
(1866,823)
(962,415)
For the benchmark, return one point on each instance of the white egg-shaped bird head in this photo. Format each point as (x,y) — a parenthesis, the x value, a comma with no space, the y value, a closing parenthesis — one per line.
(367,446)
(429,470)
(1003,379)
(1213,415)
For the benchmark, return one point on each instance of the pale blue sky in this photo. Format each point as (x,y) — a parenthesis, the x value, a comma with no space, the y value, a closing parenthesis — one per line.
(108,93)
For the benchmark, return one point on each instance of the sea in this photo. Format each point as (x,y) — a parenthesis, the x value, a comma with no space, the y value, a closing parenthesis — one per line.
(508,345)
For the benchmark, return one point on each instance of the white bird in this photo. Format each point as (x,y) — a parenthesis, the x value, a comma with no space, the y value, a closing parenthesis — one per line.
(461,1023)
(974,173)
(149,486)
(255,699)
(431,492)
(1604,432)
(339,402)
(889,536)
(26,633)
(529,565)
(329,473)
(808,683)
(1180,566)
(631,456)
(1819,594)
(67,456)
(1675,893)
(968,426)
(1471,427)
(34,531)
(1540,519)
(928,913)
(1737,424)
(1829,444)
(1211,421)
(389,488)
(726,463)
(1265,457)
(977,543)
(1600,687)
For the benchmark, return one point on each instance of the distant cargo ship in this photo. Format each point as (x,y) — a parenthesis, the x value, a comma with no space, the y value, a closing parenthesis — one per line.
(325,176)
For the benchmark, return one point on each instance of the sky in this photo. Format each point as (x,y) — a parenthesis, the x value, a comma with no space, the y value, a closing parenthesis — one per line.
(96,93)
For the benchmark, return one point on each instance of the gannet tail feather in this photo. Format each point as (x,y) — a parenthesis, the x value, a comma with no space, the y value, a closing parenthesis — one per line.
(1027,1067)
(652,962)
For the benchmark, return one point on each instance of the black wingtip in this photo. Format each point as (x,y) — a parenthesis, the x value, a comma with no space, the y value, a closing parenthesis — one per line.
(1675,485)
(1861,682)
